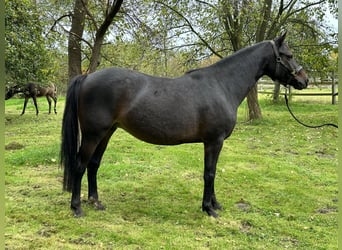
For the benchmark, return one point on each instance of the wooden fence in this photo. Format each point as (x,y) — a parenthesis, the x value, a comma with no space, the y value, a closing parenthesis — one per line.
(330,88)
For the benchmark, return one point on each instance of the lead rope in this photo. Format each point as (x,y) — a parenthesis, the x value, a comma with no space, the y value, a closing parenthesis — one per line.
(305,125)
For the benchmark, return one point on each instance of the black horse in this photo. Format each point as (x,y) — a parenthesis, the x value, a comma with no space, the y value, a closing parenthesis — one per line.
(34,90)
(200,106)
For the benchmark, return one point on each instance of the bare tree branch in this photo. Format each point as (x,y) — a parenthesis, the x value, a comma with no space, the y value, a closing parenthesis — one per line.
(90,15)
(306,7)
(59,19)
(191,28)
(69,32)
(100,34)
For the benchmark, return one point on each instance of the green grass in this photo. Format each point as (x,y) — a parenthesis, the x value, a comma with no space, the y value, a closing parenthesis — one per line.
(276,180)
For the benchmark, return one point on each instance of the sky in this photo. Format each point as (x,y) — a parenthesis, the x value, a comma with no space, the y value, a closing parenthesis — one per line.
(333,22)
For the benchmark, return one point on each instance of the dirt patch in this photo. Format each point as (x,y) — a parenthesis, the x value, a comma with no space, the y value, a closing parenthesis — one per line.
(327,210)
(243,205)
(323,154)
(245,226)
(14,146)
(290,242)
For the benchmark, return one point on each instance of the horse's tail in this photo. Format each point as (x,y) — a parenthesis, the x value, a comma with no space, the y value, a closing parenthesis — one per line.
(70,132)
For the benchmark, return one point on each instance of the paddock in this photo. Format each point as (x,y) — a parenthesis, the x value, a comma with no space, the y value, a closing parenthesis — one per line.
(278,185)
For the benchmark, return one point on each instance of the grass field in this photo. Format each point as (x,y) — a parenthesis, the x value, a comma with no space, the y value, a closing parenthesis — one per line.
(276,180)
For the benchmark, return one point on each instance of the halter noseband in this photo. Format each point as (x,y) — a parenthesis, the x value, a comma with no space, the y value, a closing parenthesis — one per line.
(293,69)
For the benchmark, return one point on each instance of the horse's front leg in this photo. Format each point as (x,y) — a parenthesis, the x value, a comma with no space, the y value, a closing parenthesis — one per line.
(25,103)
(212,151)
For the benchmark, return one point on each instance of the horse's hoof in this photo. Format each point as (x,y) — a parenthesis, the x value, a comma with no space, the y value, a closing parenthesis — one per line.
(99,206)
(217,206)
(96,203)
(78,213)
(210,211)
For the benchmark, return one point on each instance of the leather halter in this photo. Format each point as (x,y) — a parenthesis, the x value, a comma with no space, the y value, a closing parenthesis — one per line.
(293,68)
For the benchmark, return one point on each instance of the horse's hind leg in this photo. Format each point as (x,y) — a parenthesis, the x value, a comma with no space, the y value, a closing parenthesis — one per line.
(35,104)
(92,168)
(49,101)
(75,203)
(55,103)
(85,153)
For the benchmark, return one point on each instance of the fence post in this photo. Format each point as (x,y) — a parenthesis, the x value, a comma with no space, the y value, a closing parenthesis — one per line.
(333,88)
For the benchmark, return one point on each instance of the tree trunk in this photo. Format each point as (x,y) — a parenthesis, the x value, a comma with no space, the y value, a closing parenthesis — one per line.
(100,35)
(75,38)
(276,92)
(254,111)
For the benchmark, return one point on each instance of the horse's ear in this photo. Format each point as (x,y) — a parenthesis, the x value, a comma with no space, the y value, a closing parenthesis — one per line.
(279,41)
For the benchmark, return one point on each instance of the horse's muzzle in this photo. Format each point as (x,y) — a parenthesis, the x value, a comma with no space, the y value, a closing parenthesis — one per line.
(301,80)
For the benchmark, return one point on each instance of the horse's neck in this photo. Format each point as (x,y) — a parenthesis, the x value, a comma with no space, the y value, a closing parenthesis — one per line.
(240,72)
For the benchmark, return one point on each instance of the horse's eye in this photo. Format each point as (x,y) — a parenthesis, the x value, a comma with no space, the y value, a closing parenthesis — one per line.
(287,56)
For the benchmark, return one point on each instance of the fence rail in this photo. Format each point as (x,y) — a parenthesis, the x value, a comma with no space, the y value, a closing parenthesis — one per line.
(267,87)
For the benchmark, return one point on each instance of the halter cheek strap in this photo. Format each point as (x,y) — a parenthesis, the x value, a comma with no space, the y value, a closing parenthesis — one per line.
(293,69)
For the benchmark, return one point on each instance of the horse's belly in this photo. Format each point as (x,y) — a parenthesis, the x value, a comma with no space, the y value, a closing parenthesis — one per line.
(163,130)
(159,139)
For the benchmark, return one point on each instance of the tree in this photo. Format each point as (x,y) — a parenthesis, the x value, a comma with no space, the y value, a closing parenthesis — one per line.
(158,37)
(26,54)
(101,32)
(80,14)
(241,23)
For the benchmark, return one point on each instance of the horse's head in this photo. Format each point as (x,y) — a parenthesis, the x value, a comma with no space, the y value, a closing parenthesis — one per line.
(286,70)
(11,91)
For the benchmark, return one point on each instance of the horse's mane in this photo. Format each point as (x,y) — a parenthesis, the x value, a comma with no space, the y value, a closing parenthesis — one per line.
(191,70)
(229,57)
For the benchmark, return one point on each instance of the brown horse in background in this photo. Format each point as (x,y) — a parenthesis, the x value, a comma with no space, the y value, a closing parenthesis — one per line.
(34,90)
